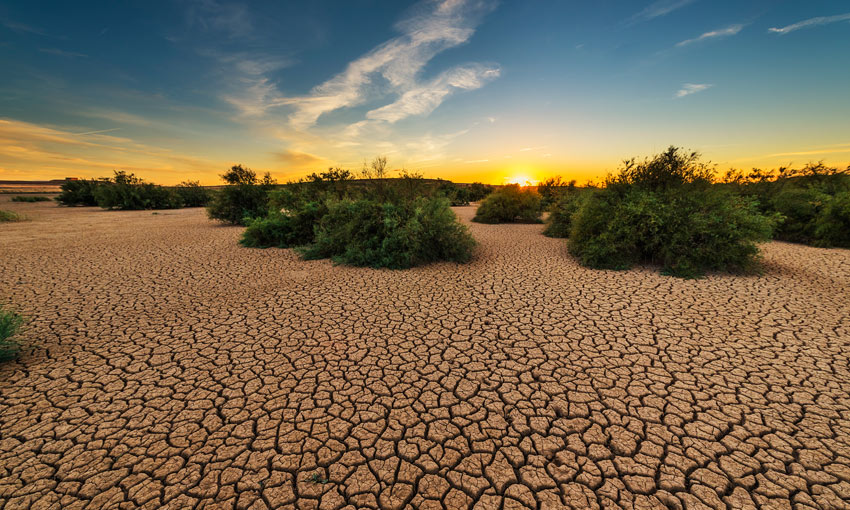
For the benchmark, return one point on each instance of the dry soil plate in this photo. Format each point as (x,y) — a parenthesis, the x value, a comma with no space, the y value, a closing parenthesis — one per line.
(175,369)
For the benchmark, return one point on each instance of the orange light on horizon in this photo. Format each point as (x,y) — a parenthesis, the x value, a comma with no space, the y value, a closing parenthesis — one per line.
(522,180)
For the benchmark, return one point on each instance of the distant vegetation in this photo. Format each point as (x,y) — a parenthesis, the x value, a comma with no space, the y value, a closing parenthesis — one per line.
(377,221)
(10,324)
(509,204)
(9,216)
(663,210)
(30,198)
(125,191)
(814,201)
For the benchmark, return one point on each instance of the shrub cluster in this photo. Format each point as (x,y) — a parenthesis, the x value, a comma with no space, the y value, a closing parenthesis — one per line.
(30,198)
(665,210)
(244,198)
(510,203)
(127,192)
(10,323)
(812,201)
(390,223)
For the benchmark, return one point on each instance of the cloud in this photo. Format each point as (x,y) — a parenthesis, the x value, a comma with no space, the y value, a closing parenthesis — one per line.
(714,34)
(229,17)
(22,28)
(434,28)
(422,100)
(692,88)
(50,152)
(658,9)
(63,53)
(813,22)
(299,159)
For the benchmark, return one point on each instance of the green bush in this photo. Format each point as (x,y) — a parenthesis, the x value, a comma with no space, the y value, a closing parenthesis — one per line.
(128,192)
(552,189)
(665,211)
(559,222)
(79,192)
(457,195)
(832,227)
(478,191)
(366,232)
(10,324)
(284,229)
(510,204)
(192,194)
(244,198)
(9,216)
(800,208)
(30,198)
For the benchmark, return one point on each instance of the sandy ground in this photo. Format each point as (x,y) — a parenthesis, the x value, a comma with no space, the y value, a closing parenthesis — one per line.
(175,369)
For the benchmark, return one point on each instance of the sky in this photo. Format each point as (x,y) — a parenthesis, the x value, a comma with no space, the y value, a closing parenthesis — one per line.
(467,90)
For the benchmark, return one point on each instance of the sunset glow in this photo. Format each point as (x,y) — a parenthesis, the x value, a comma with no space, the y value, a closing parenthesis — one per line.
(494,92)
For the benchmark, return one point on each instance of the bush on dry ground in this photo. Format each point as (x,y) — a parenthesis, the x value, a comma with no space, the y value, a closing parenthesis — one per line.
(510,204)
(244,198)
(392,223)
(811,200)
(664,210)
(10,324)
(30,198)
(9,216)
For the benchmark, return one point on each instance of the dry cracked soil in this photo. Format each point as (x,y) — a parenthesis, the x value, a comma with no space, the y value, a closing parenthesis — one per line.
(171,368)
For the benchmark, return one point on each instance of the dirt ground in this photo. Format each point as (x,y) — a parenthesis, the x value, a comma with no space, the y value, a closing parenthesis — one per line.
(174,369)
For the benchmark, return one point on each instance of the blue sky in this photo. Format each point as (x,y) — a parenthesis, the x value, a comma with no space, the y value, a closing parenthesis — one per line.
(460,89)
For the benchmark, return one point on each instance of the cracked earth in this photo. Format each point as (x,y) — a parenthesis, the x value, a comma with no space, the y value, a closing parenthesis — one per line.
(171,368)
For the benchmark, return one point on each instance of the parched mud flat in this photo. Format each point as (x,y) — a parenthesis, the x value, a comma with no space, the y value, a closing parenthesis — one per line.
(175,369)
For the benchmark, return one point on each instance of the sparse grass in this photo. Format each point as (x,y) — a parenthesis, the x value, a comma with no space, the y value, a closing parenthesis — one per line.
(10,325)
(30,198)
(9,216)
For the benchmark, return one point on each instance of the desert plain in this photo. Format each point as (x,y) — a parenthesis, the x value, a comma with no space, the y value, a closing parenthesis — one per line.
(168,367)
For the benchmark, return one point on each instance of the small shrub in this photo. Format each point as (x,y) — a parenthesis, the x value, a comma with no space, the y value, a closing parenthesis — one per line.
(366,232)
(9,216)
(10,324)
(79,192)
(510,204)
(192,194)
(559,222)
(244,198)
(30,198)
(832,227)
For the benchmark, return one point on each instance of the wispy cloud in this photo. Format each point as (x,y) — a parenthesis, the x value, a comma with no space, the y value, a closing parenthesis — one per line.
(657,9)
(423,99)
(62,53)
(813,22)
(437,27)
(299,159)
(229,17)
(714,34)
(692,88)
